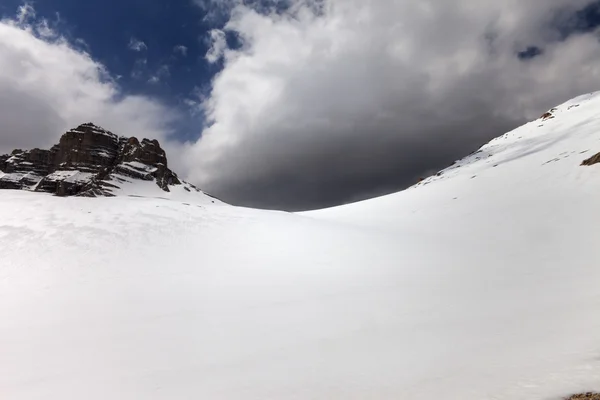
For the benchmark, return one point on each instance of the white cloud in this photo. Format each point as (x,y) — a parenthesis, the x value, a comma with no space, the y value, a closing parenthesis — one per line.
(218,45)
(195,102)
(216,11)
(181,50)
(45,31)
(334,97)
(162,73)
(47,87)
(137,45)
(25,13)
(82,44)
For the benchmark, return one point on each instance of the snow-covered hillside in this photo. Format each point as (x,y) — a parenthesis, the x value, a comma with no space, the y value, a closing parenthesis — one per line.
(479,283)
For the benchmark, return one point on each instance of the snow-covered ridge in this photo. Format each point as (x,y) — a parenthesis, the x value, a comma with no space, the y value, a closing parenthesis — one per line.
(552,147)
(531,138)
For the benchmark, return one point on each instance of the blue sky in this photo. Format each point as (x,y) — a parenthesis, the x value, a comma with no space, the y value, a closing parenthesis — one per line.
(165,27)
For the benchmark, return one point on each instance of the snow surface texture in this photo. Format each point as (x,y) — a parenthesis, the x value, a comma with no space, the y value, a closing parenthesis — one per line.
(480,283)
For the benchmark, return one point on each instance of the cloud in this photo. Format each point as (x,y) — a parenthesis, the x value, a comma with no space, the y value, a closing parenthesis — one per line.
(331,101)
(48,86)
(162,73)
(25,13)
(137,45)
(181,50)
(218,45)
(216,11)
(194,102)
(140,68)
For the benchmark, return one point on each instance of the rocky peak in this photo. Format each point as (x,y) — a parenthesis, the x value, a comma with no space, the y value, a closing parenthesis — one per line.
(87,161)
(87,148)
(147,152)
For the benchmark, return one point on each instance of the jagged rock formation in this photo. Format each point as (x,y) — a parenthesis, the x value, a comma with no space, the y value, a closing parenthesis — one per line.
(23,168)
(87,161)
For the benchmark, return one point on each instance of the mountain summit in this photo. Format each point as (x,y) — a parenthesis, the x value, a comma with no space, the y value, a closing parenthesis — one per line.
(88,161)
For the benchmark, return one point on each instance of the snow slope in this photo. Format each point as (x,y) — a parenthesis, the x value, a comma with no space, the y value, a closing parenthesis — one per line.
(480,283)
(124,185)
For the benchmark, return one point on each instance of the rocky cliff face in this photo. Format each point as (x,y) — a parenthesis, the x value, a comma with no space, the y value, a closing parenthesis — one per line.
(87,161)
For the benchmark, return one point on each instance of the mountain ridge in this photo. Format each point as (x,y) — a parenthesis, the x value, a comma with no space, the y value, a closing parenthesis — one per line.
(88,161)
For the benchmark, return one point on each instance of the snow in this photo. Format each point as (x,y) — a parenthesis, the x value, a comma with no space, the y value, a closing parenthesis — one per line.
(73,176)
(137,167)
(104,154)
(18,176)
(480,283)
(132,187)
(96,129)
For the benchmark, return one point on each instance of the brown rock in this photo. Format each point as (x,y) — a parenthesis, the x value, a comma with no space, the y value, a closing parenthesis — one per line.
(547,116)
(87,148)
(83,162)
(592,160)
(148,152)
(24,169)
(585,396)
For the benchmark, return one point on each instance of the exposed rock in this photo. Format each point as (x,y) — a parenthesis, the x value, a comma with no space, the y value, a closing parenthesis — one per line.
(24,169)
(87,161)
(547,116)
(585,396)
(147,153)
(3,159)
(87,148)
(592,160)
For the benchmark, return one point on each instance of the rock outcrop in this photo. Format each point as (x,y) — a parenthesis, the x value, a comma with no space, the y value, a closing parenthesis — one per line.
(24,168)
(585,396)
(548,115)
(87,161)
(592,160)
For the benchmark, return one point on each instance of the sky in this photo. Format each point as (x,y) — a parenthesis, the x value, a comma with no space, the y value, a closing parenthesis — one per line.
(293,104)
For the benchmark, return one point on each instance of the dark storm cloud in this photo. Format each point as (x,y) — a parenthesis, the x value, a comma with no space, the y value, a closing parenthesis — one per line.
(359,159)
(361,98)
(329,173)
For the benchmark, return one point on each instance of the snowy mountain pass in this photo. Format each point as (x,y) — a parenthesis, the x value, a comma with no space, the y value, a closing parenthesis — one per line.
(480,283)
